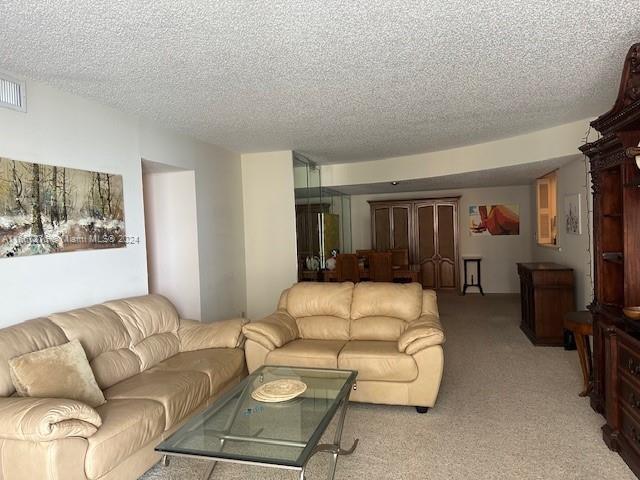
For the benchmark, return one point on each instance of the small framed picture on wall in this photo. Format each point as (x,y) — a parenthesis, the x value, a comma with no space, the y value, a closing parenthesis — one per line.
(573,214)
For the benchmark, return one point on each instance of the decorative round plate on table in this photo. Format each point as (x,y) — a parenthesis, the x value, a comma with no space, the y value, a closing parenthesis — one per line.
(279,390)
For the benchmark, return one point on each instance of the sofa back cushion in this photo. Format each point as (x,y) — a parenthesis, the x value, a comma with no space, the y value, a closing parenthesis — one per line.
(377,328)
(381,311)
(308,299)
(105,340)
(399,300)
(323,327)
(152,323)
(321,309)
(26,337)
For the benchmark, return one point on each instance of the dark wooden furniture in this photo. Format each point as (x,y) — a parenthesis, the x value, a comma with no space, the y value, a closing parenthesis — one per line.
(347,268)
(581,325)
(546,295)
(616,224)
(381,267)
(400,257)
(309,275)
(308,233)
(473,283)
(428,229)
(410,273)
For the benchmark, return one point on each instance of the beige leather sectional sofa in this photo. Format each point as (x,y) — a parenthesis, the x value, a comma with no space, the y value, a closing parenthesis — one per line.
(154,369)
(390,333)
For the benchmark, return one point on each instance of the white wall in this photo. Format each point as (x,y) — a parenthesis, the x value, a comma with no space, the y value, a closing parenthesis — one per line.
(172,239)
(573,250)
(65,130)
(556,142)
(500,253)
(270,229)
(218,180)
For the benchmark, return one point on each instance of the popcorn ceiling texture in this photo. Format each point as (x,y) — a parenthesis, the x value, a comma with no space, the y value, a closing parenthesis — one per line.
(337,80)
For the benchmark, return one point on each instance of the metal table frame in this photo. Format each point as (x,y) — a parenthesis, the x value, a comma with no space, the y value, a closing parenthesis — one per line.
(334,449)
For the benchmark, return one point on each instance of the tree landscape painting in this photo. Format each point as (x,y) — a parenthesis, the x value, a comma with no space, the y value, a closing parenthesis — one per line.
(49,209)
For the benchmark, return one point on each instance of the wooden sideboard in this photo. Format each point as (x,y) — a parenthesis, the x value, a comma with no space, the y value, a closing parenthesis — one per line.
(546,291)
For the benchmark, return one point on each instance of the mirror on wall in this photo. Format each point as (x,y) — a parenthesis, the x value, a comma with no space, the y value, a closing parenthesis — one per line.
(323,220)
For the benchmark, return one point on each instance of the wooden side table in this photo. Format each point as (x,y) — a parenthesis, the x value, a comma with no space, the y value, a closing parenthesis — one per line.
(477,283)
(581,324)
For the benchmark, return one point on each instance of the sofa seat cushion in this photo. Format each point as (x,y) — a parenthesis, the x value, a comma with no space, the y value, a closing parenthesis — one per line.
(179,392)
(127,426)
(307,353)
(221,365)
(378,360)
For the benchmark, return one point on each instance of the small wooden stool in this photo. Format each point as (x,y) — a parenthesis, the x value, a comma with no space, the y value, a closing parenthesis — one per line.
(581,324)
(473,283)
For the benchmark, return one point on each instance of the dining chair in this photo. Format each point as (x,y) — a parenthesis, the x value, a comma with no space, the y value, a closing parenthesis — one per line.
(347,268)
(400,257)
(381,267)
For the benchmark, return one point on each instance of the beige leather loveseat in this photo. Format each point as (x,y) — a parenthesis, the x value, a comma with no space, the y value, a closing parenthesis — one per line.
(154,369)
(390,333)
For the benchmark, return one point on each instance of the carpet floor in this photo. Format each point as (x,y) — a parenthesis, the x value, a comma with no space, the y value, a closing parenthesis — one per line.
(506,410)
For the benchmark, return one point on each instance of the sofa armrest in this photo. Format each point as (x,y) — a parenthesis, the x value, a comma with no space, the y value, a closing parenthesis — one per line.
(45,419)
(196,335)
(422,333)
(273,331)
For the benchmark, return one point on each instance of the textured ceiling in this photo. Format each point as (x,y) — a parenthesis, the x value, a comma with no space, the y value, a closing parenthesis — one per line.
(523,174)
(338,80)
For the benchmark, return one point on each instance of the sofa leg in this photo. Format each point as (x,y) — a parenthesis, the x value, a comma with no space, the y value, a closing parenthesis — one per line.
(422,409)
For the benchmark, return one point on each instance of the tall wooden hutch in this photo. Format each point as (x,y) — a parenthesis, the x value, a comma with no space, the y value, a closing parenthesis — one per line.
(616,215)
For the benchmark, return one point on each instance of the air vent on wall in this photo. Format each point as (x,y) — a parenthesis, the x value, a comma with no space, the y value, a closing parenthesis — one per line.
(12,93)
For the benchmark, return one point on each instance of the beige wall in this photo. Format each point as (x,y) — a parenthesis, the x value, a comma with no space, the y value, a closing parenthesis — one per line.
(573,250)
(500,254)
(270,229)
(172,239)
(556,142)
(218,182)
(69,131)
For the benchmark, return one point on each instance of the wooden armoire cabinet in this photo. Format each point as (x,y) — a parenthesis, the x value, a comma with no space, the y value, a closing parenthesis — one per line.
(616,223)
(428,228)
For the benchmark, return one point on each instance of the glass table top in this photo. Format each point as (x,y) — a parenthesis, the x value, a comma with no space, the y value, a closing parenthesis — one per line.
(237,427)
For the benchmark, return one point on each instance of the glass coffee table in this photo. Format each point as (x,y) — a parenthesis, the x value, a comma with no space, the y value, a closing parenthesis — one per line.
(238,429)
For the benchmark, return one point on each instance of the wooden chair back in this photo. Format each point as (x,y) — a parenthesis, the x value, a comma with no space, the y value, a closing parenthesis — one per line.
(381,267)
(400,257)
(347,269)
(366,255)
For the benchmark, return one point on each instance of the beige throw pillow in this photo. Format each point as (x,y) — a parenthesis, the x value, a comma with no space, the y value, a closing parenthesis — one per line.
(56,372)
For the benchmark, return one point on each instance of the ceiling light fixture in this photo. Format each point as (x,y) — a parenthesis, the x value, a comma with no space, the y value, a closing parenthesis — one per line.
(394,183)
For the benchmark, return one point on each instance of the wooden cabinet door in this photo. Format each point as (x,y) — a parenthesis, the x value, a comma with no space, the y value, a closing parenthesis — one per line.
(381,227)
(401,226)
(425,243)
(447,245)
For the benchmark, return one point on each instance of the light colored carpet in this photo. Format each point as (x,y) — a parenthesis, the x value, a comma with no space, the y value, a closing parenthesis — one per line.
(507,410)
